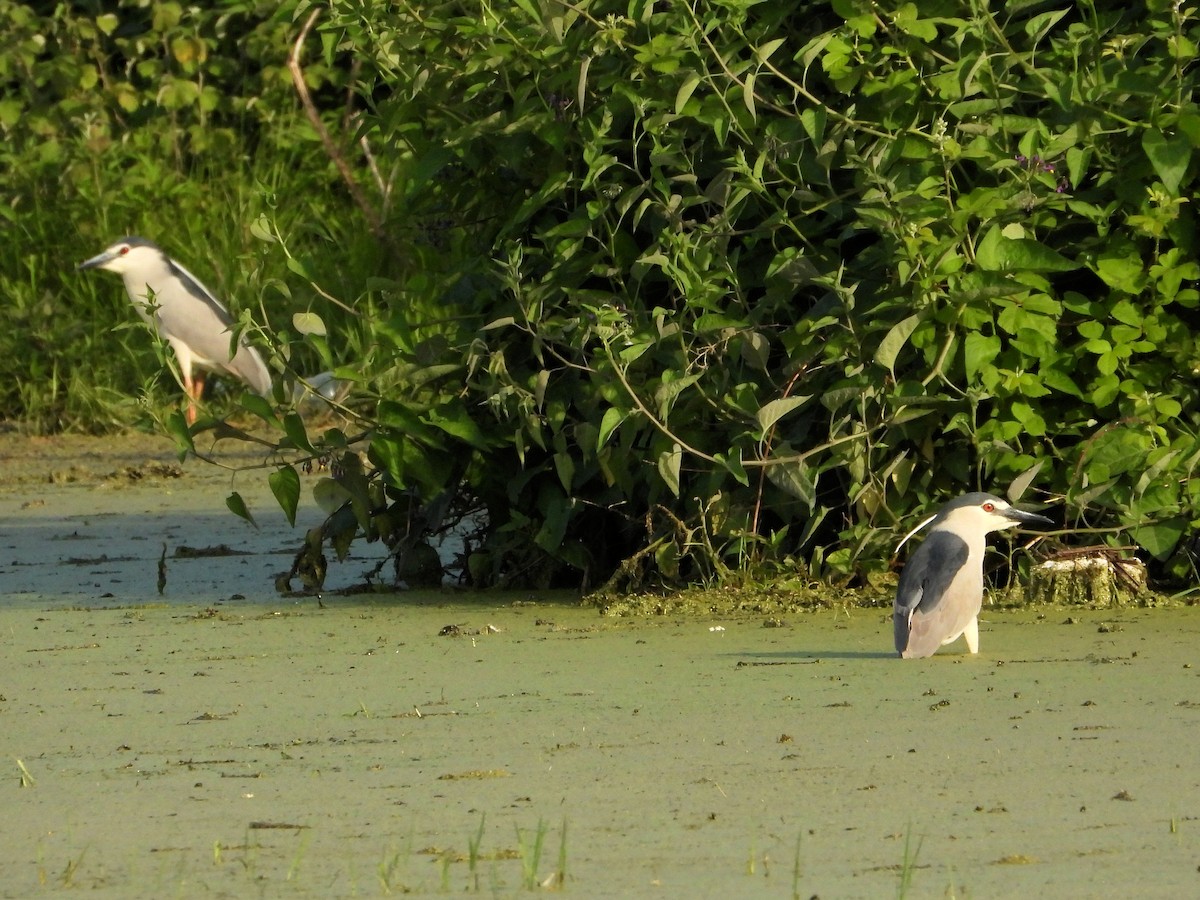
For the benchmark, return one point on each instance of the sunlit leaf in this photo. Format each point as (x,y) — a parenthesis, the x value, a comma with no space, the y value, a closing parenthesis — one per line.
(979,351)
(309,323)
(685,92)
(261,229)
(611,420)
(893,342)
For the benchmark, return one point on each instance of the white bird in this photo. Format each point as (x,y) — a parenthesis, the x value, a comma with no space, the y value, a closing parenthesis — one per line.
(941,588)
(185,313)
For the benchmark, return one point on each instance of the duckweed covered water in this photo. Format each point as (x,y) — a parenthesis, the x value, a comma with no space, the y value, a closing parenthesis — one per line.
(220,740)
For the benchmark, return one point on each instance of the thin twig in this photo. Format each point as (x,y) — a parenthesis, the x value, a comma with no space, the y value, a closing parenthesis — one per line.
(331,149)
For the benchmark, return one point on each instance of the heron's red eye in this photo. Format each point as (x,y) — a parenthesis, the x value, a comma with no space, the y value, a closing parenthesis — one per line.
(989,507)
(123,250)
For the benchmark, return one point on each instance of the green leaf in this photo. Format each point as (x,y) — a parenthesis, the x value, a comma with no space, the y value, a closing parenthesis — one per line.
(1077,163)
(564,467)
(685,92)
(556,514)
(1029,418)
(330,496)
(285,485)
(386,453)
(1021,483)
(756,350)
(1124,311)
(979,352)
(669,463)
(237,506)
(1105,390)
(1124,335)
(733,464)
(530,10)
(907,20)
(894,341)
(997,253)
(666,557)
(299,268)
(716,322)
(764,51)
(177,427)
(166,16)
(796,478)
(1167,406)
(1159,539)
(293,426)
(1039,25)
(1060,381)
(585,65)
(457,422)
(748,95)
(813,120)
(1169,156)
(309,323)
(772,412)
(612,419)
(664,396)
(259,406)
(1125,273)
(261,229)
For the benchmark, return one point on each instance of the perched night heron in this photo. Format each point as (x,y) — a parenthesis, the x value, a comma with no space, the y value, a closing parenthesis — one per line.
(187,315)
(941,588)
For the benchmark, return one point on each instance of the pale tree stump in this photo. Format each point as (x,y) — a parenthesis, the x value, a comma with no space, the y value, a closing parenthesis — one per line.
(1088,576)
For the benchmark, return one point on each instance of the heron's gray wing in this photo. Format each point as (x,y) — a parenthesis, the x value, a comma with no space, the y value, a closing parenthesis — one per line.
(198,319)
(925,579)
(197,288)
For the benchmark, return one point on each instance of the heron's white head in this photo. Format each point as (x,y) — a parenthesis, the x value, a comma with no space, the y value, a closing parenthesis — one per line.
(129,254)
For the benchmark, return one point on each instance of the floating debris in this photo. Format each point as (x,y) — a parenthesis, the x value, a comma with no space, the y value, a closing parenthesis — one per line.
(1088,576)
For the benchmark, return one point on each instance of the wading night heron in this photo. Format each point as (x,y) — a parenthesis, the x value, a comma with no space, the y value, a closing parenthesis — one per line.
(185,313)
(941,588)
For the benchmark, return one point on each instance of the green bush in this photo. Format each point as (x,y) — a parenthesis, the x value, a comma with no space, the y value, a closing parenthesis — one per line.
(686,289)
(764,279)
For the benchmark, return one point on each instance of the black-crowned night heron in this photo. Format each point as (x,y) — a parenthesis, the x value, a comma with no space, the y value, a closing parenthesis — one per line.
(941,588)
(185,313)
